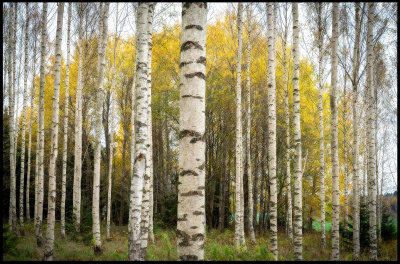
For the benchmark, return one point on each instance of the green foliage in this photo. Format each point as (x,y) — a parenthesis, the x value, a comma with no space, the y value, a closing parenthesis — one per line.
(167,245)
(167,218)
(9,241)
(317,226)
(388,226)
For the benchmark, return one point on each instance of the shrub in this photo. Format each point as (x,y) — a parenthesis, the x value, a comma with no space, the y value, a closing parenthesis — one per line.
(9,241)
(388,226)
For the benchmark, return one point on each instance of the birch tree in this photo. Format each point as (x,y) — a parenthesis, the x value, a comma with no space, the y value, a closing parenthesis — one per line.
(145,210)
(112,131)
(239,225)
(51,212)
(191,187)
(139,164)
(21,183)
(40,181)
(334,135)
(13,203)
(370,130)
(76,197)
(356,187)
(298,221)
(272,129)
(103,31)
(65,140)
(249,175)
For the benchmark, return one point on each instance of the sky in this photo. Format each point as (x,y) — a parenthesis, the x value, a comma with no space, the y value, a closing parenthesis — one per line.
(170,13)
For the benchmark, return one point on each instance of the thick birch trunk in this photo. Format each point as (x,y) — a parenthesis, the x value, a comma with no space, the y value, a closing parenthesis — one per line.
(356,186)
(272,129)
(371,170)
(144,225)
(298,221)
(76,197)
(65,140)
(103,32)
(141,135)
(191,190)
(39,236)
(334,136)
(51,212)
(21,183)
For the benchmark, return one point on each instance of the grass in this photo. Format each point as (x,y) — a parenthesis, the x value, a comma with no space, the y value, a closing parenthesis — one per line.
(218,246)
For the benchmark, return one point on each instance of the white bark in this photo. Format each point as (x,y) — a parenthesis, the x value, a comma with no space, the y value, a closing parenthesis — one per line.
(191,187)
(298,221)
(145,211)
(334,135)
(103,33)
(249,175)
(356,186)
(39,216)
(139,164)
(21,183)
(13,203)
(371,170)
(239,224)
(272,129)
(76,197)
(51,212)
(65,140)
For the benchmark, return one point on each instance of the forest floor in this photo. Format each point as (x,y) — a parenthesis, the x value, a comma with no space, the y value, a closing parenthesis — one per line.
(218,246)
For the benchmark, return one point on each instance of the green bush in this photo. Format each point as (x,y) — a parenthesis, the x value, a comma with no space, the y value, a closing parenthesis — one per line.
(388,226)
(9,241)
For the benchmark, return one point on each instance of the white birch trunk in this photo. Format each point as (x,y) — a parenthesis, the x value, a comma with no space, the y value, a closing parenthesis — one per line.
(249,175)
(145,210)
(76,196)
(321,124)
(103,33)
(139,164)
(239,238)
(39,236)
(356,186)
(111,118)
(272,129)
(21,183)
(191,187)
(371,170)
(13,203)
(51,211)
(298,221)
(65,140)
(334,135)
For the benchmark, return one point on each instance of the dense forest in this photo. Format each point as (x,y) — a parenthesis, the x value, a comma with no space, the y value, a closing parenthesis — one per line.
(199,131)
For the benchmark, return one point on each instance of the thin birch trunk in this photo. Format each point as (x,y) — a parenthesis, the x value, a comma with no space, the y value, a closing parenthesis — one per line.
(249,175)
(65,140)
(371,170)
(103,33)
(141,135)
(345,157)
(39,236)
(298,221)
(239,225)
(356,186)
(51,212)
(111,118)
(272,129)
(145,211)
(21,183)
(321,123)
(13,203)
(334,136)
(76,197)
(191,190)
